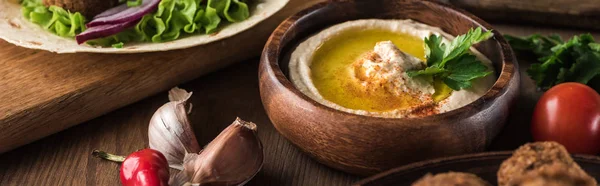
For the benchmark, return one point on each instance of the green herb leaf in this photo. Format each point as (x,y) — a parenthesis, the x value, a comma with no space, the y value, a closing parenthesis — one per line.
(463,70)
(547,73)
(453,63)
(434,49)
(456,85)
(577,60)
(432,70)
(462,43)
(595,46)
(586,68)
(466,68)
(536,43)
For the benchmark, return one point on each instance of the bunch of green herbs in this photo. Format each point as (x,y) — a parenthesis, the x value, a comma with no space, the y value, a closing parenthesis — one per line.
(454,64)
(575,60)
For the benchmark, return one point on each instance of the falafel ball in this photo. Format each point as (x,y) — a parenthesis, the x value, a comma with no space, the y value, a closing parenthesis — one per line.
(451,179)
(88,8)
(534,156)
(556,174)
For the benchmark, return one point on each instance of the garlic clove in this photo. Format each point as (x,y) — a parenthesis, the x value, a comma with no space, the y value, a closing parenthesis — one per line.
(232,158)
(170,131)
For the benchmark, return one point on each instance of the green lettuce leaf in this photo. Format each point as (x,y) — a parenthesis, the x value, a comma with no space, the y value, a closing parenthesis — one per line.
(54,19)
(134,3)
(236,11)
(117,40)
(172,19)
(175,17)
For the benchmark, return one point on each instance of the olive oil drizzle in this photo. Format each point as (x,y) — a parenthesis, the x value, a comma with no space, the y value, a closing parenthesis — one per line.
(332,72)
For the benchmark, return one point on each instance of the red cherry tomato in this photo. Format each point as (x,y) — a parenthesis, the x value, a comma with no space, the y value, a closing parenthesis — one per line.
(569,114)
(146,167)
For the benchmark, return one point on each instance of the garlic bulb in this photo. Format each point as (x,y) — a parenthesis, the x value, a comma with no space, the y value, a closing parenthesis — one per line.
(170,131)
(232,158)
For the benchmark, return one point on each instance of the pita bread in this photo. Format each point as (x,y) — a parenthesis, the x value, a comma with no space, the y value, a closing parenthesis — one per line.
(15,29)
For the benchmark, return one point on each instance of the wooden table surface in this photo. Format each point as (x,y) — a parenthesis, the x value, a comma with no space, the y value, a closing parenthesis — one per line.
(64,158)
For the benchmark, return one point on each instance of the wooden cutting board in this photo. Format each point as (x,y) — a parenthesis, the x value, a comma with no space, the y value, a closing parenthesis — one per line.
(42,93)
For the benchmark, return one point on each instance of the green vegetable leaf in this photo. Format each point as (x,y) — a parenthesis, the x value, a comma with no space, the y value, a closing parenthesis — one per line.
(172,20)
(577,60)
(462,43)
(466,68)
(432,70)
(175,17)
(456,85)
(117,40)
(134,3)
(536,43)
(434,49)
(54,19)
(236,11)
(210,19)
(118,45)
(595,46)
(453,63)
(547,73)
(463,70)
(586,68)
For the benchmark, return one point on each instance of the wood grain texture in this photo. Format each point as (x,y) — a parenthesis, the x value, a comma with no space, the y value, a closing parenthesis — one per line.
(567,13)
(64,158)
(43,93)
(367,145)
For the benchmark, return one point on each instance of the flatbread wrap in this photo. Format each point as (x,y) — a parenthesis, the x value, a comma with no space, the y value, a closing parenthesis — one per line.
(130,26)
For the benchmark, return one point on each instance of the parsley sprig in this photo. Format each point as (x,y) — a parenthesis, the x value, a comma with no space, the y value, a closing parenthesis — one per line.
(576,60)
(453,63)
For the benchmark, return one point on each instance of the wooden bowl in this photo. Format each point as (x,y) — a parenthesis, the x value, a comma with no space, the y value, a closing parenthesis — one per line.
(366,145)
(484,165)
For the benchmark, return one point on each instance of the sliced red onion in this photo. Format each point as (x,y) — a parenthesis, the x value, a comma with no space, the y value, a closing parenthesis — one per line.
(112,11)
(122,13)
(103,31)
(115,20)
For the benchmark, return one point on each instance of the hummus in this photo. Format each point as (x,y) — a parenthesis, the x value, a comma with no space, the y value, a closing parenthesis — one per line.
(359,67)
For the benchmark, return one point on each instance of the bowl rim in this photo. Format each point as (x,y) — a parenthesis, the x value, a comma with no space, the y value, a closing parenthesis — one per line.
(273,49)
